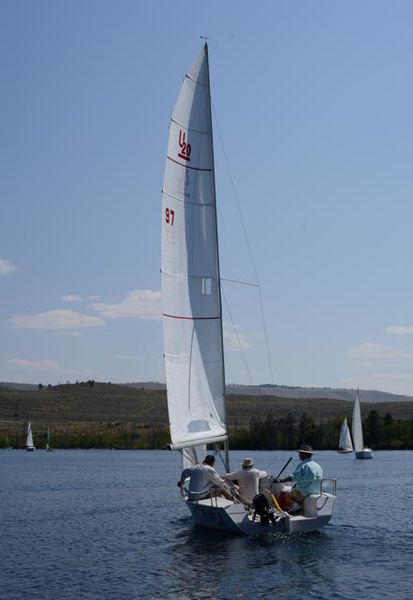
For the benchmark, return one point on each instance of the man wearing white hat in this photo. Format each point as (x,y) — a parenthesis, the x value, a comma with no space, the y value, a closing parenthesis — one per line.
(248,480)
(306,478)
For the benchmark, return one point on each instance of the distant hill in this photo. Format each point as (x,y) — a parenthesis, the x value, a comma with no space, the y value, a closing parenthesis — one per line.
(18,386)
(140,404)
(285,391)
(282,391)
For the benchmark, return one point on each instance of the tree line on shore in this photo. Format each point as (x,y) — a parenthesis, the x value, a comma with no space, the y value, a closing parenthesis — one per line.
(380,433)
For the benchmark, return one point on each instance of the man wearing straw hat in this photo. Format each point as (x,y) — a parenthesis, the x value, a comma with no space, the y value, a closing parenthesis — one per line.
(248,480)
(306,477)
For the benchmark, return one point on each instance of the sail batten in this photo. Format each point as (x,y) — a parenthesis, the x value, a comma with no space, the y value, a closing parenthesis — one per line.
(188,167)
(179,199)
(193,318)
(191,304)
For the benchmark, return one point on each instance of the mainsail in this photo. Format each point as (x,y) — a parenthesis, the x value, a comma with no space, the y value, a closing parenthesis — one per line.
(356,428)
(191,301)
(345,443)
(29,438)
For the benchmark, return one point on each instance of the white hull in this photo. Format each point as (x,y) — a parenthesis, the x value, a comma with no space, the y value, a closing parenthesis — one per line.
(225,515)
(366,453)
(345,450)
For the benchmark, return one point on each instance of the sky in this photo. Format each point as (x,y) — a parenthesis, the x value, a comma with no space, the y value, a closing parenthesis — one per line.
(313,135)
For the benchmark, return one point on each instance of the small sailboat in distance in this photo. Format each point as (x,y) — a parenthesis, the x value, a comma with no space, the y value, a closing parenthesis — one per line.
(29,439)
(192,321)
(345,444)
(48,448)
(357,430)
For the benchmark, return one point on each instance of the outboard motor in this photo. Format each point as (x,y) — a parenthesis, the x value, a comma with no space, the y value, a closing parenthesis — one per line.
(262,509)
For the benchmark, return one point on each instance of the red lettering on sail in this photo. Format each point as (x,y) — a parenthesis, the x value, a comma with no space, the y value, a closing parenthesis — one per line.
(169,216)
(185,149)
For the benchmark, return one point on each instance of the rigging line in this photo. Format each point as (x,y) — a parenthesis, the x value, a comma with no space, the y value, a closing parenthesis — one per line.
(237,337)
(234,191)
(186,454)
(240,282)
(217,451)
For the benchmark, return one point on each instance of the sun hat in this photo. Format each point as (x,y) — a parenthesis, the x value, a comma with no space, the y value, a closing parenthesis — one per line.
(305,449)
(247,462)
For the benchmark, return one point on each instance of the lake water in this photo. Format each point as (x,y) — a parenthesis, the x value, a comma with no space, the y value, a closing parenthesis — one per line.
(110,525)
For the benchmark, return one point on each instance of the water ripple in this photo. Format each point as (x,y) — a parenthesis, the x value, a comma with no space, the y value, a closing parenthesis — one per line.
(99,525)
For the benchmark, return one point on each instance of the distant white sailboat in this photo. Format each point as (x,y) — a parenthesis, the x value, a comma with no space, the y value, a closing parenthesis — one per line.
(29,439)
(357,430)
(192,317)
(345,444)
(48,448)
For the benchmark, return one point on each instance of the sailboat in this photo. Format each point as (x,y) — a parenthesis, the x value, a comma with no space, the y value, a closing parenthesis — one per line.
(357,431)
(29,439)
(192,317)
(345,444)
(48,448)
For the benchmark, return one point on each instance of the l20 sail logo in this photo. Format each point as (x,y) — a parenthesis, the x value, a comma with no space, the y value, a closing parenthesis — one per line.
(185,149)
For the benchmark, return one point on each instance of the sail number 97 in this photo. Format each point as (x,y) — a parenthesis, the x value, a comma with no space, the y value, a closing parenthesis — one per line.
(169,216)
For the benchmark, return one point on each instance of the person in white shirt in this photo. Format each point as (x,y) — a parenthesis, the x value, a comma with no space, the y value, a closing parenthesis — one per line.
(248,480)
(204,480)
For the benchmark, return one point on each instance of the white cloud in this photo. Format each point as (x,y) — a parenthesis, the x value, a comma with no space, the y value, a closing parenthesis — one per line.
(6,267)
(56,320)
(369,351)
(366,365)
(72,298)
(399,330)
(35,365)
(72,333)
(48,365)
(138,304)
(127,357)
(234,339)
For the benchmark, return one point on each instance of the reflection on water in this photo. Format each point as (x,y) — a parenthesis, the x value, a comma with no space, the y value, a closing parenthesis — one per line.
(209,564)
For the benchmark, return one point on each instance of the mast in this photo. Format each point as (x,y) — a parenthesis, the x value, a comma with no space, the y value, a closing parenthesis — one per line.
(226,448)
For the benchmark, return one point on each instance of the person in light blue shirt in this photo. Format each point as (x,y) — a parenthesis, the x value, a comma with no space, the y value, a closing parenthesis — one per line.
(306,477)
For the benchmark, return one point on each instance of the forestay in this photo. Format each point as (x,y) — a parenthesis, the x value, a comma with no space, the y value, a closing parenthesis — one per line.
(191,304)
